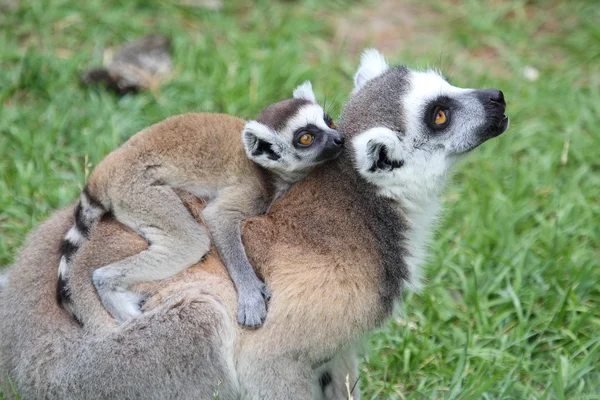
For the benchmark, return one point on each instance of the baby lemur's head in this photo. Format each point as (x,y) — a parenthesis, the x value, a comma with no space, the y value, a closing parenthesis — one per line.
(292,136)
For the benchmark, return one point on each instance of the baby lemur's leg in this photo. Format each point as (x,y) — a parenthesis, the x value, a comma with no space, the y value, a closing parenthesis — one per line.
(176,241)
(223,216)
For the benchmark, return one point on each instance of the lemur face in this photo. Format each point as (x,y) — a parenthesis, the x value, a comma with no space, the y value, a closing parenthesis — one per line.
(408,124)
(292,136)
(441,117)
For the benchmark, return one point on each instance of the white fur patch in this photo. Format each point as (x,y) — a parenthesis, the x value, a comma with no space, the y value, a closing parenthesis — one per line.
(74,236)
(308,114)
(123,306)
(372,64)
(93,213)
(305,91)
(416,187)
(63,267)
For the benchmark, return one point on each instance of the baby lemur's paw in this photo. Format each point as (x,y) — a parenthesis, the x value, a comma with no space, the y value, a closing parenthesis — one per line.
(265,291)
(123,306)
(252,307)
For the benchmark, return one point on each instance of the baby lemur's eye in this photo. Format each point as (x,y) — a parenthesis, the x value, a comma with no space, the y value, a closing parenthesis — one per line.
(306,139)
(329,121)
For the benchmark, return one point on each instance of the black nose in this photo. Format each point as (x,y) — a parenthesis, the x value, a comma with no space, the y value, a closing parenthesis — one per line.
(339,141)
(493,95)
(498,97)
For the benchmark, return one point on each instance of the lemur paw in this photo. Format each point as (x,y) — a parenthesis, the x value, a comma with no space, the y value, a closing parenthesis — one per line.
(123,306)
(252,307)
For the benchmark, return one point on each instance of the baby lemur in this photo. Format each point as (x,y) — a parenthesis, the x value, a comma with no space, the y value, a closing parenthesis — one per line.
(201,154)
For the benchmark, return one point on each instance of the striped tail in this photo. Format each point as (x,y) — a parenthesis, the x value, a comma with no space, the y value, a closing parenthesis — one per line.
(87,213)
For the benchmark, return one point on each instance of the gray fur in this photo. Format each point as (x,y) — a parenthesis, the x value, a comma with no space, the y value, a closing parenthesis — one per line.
(181,349)
(378,103)
(3,281)
(341,369)
(276,115)
(227,237)
(163,355)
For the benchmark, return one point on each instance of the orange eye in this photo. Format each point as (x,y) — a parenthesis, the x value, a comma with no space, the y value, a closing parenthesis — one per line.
(306,139)
(440,117)
(331,124)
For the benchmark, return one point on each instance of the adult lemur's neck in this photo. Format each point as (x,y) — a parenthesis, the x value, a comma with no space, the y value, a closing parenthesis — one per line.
(416,196)
(379,218)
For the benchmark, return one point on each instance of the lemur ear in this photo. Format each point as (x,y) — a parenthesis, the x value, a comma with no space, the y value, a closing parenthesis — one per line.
(372,64)
(381,157)
(305,91)
(378,150)
(260,142)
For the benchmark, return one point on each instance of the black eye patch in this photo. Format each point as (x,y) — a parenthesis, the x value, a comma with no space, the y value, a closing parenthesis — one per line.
(308,128)
(442,104)
(311,129)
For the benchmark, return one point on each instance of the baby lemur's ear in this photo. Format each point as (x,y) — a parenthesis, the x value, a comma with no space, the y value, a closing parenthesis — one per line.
(372,64)
(262,144)
(305,91)
(378,150)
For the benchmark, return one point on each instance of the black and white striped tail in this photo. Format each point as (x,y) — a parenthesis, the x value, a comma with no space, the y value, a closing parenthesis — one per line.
(87,212)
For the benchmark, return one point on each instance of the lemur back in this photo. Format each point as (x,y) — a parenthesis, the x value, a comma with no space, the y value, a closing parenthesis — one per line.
(196,149)
(201,154)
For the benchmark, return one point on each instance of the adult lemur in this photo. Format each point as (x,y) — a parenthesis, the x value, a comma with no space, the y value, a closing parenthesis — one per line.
(336,250)
(204,155)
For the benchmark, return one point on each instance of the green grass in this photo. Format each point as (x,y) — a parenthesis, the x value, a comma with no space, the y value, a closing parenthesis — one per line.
(511,308)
